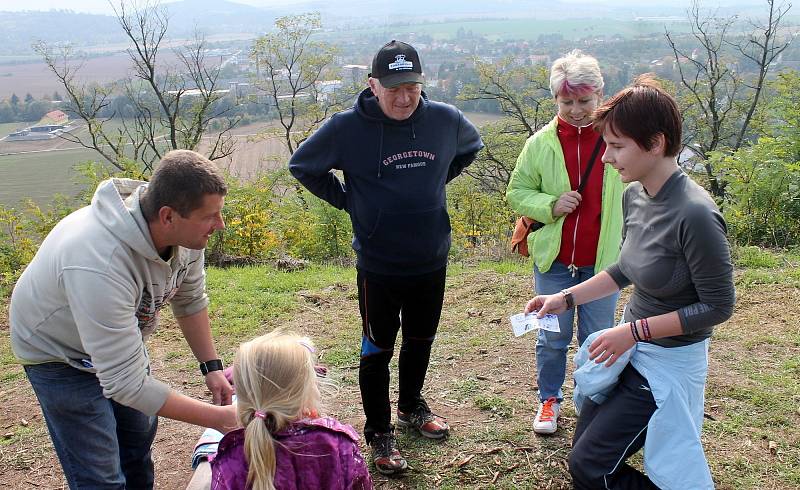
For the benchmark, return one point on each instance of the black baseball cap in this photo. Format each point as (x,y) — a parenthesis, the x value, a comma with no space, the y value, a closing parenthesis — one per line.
(396,63)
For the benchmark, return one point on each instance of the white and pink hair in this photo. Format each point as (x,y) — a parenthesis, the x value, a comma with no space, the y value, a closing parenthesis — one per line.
(575,74)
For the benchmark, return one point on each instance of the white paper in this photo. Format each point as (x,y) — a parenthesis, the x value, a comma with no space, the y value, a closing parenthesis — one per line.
(523,323)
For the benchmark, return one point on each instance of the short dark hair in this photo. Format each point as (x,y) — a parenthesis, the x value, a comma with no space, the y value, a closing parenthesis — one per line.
(641,112)
(181,180)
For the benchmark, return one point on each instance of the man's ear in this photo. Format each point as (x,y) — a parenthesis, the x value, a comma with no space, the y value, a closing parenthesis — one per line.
(373,85)
(166,215)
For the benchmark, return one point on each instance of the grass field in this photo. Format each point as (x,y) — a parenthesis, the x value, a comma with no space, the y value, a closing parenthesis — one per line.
(528,29)
(481,378)
(6,128)
(39,176)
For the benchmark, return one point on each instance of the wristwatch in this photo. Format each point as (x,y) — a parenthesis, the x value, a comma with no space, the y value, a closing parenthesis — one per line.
(212,365)
(568,298)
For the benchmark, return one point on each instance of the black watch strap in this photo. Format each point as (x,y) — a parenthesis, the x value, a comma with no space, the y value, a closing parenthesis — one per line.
(212,365)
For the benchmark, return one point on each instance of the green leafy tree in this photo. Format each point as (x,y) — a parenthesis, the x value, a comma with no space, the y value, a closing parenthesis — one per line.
(720,101)
(763,192)
(522,94)
(291,70)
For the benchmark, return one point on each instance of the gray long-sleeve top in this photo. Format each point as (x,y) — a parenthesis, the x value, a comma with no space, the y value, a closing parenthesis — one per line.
(676,254)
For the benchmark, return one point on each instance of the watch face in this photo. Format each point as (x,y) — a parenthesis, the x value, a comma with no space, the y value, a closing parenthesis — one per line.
(212,365)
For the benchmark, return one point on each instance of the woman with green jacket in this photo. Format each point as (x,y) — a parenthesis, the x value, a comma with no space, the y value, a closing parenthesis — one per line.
(582,231)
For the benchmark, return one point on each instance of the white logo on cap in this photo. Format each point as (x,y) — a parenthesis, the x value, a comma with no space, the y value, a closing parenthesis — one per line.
(401,63)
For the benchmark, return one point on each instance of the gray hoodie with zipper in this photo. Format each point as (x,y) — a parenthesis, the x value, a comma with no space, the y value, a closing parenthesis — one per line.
(92,295)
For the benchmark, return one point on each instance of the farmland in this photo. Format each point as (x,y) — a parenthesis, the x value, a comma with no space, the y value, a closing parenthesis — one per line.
(35,78)
(40,169)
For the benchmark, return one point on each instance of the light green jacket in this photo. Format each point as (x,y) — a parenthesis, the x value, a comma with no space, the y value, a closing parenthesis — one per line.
(539,178)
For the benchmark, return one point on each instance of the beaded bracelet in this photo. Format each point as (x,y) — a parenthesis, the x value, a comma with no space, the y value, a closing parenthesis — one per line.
(646,329)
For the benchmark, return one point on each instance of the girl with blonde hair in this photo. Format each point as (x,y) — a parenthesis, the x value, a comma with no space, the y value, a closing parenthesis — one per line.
(284,442)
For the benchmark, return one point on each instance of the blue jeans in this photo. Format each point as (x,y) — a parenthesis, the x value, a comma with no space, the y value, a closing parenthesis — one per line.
(100,443)
(551,347)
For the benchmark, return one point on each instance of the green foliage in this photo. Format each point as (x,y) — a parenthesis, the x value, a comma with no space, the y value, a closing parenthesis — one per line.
(21,232)
(476,217)
(762,206)
(247,213)
(16,247)
(268,217)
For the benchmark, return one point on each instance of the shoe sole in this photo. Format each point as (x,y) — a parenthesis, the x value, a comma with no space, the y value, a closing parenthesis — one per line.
(429,435)
(545,432)
(392,472)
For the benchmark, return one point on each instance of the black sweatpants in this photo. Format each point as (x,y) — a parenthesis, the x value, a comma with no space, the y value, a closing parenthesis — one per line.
(607,434)
(388,303)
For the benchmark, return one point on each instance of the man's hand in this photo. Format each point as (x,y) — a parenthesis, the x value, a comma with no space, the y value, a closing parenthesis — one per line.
(221,390)
(611,344)
(567,203)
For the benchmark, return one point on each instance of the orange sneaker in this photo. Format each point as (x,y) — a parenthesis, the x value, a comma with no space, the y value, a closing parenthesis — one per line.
(546,421)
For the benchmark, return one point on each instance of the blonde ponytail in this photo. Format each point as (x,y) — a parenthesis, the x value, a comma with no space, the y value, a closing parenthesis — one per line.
(259,449)
(275,384)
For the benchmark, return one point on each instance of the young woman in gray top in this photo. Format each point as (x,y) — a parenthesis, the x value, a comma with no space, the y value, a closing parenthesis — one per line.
(676,254)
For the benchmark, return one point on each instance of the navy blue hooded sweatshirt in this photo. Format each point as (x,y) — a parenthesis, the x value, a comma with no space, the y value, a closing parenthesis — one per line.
(394,179)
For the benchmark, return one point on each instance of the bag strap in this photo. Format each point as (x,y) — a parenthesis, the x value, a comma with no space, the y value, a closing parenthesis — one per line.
(588,170)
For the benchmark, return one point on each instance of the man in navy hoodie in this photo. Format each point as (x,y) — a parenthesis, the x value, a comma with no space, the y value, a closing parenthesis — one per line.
(397,151)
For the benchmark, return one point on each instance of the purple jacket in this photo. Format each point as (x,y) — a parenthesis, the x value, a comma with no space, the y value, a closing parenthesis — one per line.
(310,454)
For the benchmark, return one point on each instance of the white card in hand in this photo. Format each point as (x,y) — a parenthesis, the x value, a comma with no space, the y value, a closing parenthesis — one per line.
(523,323)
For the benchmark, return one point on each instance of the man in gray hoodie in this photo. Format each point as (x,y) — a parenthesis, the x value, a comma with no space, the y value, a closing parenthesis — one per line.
(83,308)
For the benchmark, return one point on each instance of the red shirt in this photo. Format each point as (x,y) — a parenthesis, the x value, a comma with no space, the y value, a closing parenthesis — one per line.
(581,230)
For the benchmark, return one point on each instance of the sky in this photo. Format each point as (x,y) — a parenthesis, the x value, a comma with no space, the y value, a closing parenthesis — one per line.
(102,6)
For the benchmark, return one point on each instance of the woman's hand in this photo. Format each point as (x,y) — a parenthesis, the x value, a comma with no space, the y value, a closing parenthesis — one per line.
(611,344)
(548,303)
(226,418)
(567,203)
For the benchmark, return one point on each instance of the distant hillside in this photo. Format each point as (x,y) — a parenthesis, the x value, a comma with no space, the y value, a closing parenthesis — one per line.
(22,29)
(410,11)
(218,16)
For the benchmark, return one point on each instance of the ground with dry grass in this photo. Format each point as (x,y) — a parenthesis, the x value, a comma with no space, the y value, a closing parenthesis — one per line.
(481,378)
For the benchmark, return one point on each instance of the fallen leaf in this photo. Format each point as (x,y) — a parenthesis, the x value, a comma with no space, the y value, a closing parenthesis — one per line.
(773,447)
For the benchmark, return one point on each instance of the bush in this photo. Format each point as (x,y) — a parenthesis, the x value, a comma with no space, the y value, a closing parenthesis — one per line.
(762,205)
(477,218)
